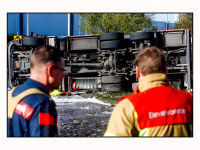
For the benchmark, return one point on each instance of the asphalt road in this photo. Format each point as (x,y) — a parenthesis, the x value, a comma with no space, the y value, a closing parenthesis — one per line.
(79,117)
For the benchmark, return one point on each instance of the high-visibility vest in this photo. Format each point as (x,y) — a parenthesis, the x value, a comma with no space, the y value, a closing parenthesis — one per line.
(13,101)
(162,105)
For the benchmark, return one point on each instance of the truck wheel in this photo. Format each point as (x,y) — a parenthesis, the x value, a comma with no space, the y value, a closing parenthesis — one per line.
(141,36)
(111,36)
(111,44)
(32,41)
(112,79)
(112,87)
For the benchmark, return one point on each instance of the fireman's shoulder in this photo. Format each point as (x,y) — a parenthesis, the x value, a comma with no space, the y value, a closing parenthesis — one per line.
(125,104)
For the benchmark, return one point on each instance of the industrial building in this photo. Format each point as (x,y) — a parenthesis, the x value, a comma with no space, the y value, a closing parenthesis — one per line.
(53,24)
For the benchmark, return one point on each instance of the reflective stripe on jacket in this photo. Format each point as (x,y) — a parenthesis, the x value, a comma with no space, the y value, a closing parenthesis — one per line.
(156,111)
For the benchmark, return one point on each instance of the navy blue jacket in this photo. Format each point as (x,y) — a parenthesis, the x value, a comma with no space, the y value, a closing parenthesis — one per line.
(35,115)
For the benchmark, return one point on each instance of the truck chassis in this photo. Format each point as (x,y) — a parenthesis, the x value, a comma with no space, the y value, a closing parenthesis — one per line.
(106,61)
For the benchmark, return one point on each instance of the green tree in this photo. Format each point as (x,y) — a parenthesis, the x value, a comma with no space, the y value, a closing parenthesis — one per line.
(185,21)
(97,23)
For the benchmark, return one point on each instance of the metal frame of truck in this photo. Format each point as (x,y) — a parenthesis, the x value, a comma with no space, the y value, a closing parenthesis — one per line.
(106,61)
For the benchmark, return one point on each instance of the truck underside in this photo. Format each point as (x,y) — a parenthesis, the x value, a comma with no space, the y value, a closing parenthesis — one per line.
(106,61)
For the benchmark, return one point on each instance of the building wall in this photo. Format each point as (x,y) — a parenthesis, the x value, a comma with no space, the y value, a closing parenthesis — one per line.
(76,24)
(49,24)
(161,25)
(52,24)
(13,23)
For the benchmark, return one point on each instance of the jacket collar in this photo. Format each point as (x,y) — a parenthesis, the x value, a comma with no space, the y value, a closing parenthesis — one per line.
(34,84)
(153,80)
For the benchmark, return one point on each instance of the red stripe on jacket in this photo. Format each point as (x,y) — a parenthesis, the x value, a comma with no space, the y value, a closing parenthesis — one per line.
(24,110)
(46,119)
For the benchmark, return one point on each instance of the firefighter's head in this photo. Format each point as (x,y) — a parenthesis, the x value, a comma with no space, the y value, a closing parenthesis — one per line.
(150,60)
(47,67)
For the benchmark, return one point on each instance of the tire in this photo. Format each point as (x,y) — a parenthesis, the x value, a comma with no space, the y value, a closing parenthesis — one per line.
(112,87)
(111,36)
(141,36)
(33,41)
(127,43)
(111,44)
(112,79)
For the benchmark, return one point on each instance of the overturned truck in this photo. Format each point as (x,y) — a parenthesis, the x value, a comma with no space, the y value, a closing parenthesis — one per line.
(106,61)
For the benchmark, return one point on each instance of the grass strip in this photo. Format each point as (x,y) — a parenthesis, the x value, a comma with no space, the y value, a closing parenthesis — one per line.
(110,97)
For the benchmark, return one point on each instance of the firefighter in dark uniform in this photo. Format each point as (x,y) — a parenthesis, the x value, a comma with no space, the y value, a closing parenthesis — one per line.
(31,111)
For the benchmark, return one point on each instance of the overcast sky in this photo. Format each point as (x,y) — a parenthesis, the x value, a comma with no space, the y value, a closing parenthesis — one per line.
(163,17)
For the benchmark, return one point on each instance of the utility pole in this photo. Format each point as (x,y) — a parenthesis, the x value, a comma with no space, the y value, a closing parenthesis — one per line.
(69,24)
(79,25)
(167,23)
(27,24)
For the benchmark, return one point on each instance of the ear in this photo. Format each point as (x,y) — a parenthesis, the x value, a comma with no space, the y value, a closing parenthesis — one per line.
(137,72)
(50,71)
(166,70)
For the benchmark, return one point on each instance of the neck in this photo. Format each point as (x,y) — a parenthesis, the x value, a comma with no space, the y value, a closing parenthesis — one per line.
(41,78)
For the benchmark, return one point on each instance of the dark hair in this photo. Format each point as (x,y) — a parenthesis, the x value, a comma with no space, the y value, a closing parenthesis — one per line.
(151,60)
(45,54)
